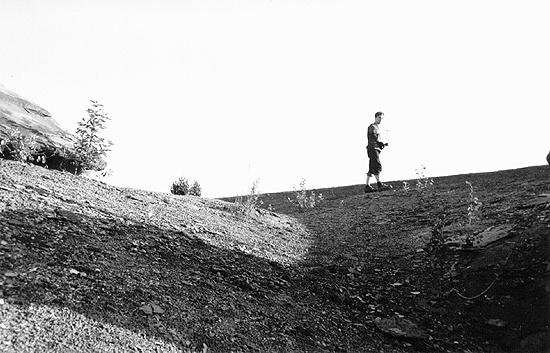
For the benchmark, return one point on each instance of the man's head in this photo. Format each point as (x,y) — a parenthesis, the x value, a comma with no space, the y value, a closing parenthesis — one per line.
(378,117)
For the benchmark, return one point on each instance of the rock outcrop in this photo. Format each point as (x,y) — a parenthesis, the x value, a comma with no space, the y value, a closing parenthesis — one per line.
(19,113)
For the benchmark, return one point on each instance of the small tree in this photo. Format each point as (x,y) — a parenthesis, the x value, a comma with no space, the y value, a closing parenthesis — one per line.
(89,147)
(195,189)
(180,187)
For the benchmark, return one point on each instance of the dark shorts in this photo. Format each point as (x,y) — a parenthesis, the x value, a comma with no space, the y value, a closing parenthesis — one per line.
(375,167)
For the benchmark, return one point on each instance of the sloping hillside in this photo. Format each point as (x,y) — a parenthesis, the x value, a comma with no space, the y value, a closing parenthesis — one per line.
(89,267)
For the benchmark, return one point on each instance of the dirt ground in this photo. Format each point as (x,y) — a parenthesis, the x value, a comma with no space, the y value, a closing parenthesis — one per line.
(380,272)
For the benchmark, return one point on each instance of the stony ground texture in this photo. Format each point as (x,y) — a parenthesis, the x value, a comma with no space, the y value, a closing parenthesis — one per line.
(89,267)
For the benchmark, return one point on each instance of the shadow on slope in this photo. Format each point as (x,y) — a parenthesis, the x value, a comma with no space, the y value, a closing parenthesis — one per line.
(163,283)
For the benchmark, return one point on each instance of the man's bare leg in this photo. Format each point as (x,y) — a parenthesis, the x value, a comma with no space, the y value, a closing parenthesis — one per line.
(368,188)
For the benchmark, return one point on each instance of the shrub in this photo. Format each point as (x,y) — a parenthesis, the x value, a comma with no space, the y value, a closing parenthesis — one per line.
(195,189)
(303,199)
(89,147)
(19,147)
(180,187)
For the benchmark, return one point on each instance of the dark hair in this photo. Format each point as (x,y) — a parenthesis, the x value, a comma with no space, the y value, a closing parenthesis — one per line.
(378,114)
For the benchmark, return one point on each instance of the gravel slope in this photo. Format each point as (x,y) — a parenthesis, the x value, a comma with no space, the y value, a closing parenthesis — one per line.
(89,267)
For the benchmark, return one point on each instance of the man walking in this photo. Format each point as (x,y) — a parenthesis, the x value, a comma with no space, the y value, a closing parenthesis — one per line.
(374,148)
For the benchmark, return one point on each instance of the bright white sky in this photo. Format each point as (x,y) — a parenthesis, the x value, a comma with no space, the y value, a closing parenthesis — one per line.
(226,92)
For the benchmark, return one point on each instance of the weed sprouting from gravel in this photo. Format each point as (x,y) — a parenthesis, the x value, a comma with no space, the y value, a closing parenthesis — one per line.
(436,245)
(473,205)
(249,203)
(473,211)
(303,199)
(422,181)
(424,187)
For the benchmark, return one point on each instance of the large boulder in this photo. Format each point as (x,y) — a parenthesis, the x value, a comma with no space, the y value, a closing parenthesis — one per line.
(32,120)
(548,158)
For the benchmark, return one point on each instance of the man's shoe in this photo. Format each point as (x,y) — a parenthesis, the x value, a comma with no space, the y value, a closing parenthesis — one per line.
(368,189)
